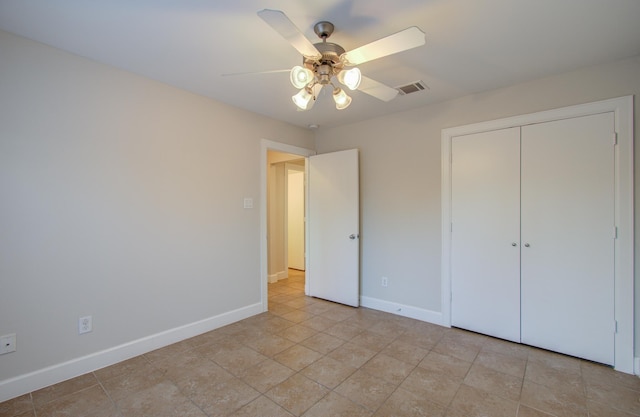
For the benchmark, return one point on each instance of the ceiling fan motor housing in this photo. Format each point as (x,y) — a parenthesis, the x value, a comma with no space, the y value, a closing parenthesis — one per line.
(330,63)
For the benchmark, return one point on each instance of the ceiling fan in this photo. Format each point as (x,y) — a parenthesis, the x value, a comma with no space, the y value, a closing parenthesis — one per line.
(324,61)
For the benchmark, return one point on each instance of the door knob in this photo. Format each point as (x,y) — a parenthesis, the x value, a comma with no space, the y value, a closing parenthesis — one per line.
(526,245)
(352,236)
(514,244)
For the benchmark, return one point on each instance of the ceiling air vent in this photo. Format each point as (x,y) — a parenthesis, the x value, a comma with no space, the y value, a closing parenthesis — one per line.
(412,88)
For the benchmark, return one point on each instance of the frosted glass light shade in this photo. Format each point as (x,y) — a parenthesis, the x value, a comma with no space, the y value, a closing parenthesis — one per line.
(302,98)
(301,76)
(351,78)
(341,98)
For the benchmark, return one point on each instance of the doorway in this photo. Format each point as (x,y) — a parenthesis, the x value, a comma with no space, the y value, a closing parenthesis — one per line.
(285,214)
(278,160)
(332,206)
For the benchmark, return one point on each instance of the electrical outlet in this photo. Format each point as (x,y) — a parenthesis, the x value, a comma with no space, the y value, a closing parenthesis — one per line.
(385,281)
(7,343)
(85,325)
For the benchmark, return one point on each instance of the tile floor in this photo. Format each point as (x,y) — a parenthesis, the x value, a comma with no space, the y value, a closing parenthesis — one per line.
(309,357)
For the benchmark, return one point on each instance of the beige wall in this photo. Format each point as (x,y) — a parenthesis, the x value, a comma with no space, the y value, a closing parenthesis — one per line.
(120,198)
(400,173)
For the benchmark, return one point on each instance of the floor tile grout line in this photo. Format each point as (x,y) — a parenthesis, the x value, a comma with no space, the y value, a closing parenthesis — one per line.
(84,388)
(33,405)
(395,389)
(175,382)
(108,394)
(311,406)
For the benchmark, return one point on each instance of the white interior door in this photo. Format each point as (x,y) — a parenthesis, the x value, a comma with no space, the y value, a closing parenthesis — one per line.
(295,218)
(333,226)
(485,252)
(568,236)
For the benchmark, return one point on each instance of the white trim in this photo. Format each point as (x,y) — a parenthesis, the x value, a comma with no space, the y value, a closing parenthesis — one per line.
(282,275)
(636,366)
(624,245)
(307,240)
(273,278)
(265,146)
(429,316)
(278,276)
(23,384)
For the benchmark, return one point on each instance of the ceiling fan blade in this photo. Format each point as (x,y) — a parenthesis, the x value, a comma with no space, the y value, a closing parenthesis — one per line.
(377,89)
(233,74)
(406,39)
(285,27)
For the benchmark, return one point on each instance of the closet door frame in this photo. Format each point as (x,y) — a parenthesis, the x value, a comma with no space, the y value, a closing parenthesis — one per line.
(624,243)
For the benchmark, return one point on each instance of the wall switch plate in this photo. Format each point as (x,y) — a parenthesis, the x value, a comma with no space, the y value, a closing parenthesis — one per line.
(85,325)
(385,281)
(7,343)
(248,203)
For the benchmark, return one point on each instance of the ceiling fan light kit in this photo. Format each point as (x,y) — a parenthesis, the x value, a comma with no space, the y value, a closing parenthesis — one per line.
(351,78)
(300,76)
(341,98)
(303,98)
(324,61)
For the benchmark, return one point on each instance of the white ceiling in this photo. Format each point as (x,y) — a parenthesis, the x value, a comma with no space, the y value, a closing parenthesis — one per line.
(472,45)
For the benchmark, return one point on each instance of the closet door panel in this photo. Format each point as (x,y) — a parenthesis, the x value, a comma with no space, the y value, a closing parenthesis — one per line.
(485,269)
(567,236)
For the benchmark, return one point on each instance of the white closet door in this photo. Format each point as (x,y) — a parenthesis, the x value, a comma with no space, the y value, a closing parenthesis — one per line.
(485,269)
(567,236)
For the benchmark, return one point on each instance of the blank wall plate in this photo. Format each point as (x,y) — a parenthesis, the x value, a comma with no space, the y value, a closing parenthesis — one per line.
(7,343)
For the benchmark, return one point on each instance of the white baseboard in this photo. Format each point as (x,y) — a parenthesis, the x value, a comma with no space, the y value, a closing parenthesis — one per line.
(636,366)
(23,384)
(422,314)
(278,276)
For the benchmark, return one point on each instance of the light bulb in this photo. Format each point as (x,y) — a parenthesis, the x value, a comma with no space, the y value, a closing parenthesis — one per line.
(314,96)
(301,76)
(302,98)
(350,78)
(341,98)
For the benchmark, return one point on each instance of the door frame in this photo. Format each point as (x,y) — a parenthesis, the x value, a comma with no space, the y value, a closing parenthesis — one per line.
(267,145)
(622,108)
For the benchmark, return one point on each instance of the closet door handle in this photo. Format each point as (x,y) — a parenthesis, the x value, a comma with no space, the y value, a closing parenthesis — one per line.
(526,245)
(514,244)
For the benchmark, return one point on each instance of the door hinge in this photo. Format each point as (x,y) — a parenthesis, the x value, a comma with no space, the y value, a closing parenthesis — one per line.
(615,138)
(451,227)
(615,326)
(615,232)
